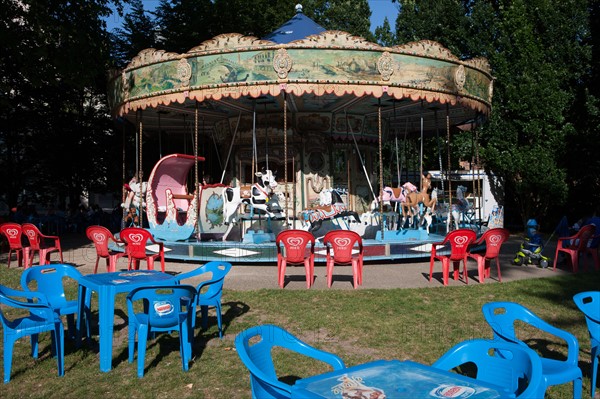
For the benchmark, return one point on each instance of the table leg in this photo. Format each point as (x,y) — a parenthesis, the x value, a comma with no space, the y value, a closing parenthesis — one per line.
(106,307)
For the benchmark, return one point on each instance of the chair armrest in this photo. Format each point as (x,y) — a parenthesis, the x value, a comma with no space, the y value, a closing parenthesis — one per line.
(570,339)
(326,357)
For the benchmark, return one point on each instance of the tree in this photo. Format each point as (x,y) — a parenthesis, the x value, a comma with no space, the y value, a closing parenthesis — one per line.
(53,86)
(384,35)
(138,33)
(348,16)
(538,53)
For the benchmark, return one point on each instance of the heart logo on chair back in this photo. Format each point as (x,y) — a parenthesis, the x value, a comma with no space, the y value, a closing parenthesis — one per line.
(12,233)
(460,240)
(342,242)
(99,237)
(295,242)
(495,239)
(136,238)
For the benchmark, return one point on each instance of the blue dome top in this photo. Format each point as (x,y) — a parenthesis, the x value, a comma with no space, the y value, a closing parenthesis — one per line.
(299,27)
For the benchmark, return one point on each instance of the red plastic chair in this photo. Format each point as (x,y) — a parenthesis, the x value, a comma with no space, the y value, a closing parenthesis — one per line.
(574,245)
(136,239)
(493,238)
(342,244)
(14,233)
(294,253)
(39,243)
(459,241)
(101,237)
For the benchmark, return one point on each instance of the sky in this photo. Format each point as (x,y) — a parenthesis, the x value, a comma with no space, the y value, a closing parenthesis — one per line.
(379,10)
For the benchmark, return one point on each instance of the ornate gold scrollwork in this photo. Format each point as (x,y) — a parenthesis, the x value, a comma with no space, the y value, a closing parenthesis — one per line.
(385,66)
(184,72)
(282,63)
(460,77)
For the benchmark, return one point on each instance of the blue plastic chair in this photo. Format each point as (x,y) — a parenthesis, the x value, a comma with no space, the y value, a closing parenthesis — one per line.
(256,356)
(50,281)
(41,318)
(209,292)
(589,304)
(515,365)
(166,308)
(502,317)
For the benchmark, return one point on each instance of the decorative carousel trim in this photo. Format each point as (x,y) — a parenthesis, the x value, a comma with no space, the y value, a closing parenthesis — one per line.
(426,48)
(184,72)
(228,42)
(282,63)
(151,56)
(298,89)
(460,77)
(386,66)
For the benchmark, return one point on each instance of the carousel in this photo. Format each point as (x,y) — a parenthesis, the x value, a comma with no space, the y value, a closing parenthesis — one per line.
(247,137)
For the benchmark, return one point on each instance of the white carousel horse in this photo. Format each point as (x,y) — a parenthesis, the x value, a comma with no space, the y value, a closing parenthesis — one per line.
(257,196)
(330,206)
(459,208)
(136,193)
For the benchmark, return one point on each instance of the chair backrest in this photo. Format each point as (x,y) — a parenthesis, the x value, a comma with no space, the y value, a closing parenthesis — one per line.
(50,281)
(164,304)
(500,363)
(342,242)
(254,347)
(35,301)
(494,238)
(136,239)
(584,235)
(13,233)
(459,241)
(502,317)
(295,243)
(589,304)
(100,236)
(33,234)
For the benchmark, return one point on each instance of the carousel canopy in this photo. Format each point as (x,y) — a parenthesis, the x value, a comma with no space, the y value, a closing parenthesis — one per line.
(299,27)
(333,83)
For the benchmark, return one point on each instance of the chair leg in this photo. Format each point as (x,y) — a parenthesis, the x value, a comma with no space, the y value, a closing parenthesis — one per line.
(142,340)
(150,262)
(329,273)
(480,269)
(595,357)
(577,388)
(445,270)
(219,320)
(9,343)
(59,344)
(281,272)
(355,273)
(431,260)
(498,267)
(308,273)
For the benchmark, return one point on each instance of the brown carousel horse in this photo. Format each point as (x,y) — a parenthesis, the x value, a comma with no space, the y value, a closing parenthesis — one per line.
(413,199)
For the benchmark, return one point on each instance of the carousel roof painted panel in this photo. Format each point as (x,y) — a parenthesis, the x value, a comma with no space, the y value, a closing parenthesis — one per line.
(332,73)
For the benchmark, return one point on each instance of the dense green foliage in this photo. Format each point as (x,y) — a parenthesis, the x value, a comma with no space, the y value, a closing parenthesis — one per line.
(539,138)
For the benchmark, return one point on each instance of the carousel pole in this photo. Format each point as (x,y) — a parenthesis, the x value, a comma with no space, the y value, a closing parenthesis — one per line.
(123,191)
(159,137)
(380,167)
(140,172)
(437,136)
(266,137)
(421,152)
(196,179)
(254,152)
(349,128)
(231,147)
(479,183)
(285,150)
(448,169)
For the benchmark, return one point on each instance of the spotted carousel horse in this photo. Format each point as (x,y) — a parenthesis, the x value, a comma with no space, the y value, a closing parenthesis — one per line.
(330,206)
(460,207)
(256,195)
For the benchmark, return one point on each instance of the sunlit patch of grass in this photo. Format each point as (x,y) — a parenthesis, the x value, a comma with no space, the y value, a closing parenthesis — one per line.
(357,325)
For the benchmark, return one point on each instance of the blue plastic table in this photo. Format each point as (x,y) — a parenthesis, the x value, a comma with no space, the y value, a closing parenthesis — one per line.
(394,379)
(108,285)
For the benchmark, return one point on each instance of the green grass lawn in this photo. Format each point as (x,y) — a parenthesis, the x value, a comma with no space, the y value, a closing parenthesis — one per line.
(357,325)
